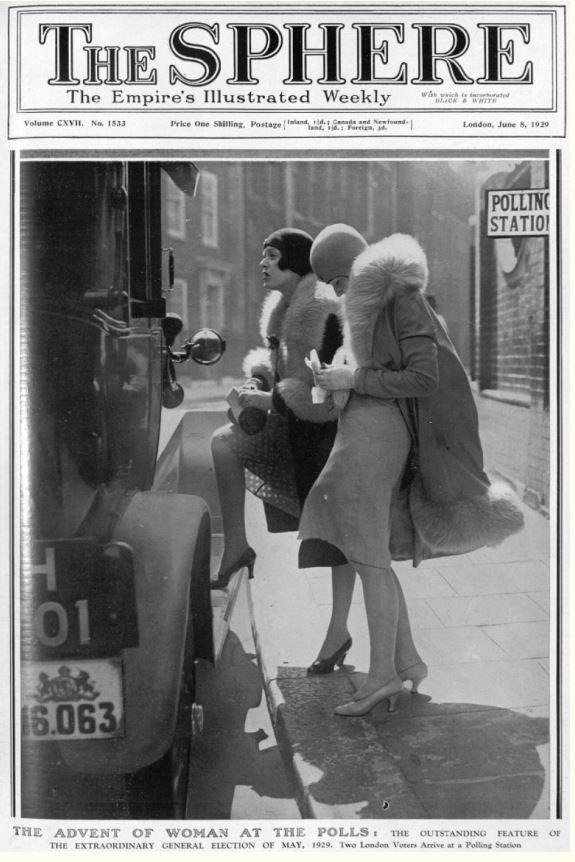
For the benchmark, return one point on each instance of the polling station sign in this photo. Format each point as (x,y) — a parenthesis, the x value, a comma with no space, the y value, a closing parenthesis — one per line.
(517,212)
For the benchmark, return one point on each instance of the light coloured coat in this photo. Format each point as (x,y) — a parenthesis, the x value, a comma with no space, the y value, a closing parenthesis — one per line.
(447,504)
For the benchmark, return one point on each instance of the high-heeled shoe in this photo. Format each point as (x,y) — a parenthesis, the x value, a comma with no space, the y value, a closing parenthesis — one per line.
(416,673)
(326,665)
(389,692)
(247,559)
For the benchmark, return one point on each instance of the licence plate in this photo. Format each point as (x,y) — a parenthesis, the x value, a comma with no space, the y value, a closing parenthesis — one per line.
(72,699)
(77,600)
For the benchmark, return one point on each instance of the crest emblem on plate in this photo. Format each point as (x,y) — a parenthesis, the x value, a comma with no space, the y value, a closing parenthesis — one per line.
(65,687)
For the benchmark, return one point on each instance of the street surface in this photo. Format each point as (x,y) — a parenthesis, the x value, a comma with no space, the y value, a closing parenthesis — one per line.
(475,743)
(236,769)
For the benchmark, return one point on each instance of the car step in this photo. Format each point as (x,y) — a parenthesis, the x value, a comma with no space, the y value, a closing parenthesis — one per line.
(224,600)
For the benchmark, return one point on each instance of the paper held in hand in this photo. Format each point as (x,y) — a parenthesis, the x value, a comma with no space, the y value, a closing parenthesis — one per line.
(233,399)
(318,395)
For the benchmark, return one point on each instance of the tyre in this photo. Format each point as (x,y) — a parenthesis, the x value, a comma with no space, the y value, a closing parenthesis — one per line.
(159,791)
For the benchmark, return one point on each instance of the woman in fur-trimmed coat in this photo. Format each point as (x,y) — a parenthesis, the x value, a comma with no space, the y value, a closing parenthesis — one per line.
(281,462)
(310,320)
(405,477)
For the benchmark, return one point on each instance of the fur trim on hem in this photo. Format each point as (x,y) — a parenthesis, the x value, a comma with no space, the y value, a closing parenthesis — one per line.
(461,526)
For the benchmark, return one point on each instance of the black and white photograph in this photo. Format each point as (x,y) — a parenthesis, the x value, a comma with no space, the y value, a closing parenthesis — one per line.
(179,431)
(287,531)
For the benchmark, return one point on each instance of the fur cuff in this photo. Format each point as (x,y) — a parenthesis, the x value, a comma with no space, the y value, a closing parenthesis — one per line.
(461,526)
(257,362)
(297,396)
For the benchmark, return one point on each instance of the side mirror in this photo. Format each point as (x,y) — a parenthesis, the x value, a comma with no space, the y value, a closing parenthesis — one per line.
(206,346)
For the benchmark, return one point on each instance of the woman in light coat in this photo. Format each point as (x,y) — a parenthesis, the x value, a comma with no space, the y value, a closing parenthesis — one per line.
(405,477)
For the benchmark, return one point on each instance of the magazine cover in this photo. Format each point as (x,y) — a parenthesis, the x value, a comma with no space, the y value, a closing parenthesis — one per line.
(285,427)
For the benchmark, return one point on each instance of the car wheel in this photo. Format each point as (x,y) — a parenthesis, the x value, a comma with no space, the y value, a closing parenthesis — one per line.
(159,791)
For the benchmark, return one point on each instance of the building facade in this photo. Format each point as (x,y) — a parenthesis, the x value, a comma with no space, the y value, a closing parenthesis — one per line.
(492,293)
(511,343)
(217,237)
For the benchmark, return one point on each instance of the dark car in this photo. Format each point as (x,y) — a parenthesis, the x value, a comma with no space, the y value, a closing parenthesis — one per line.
(114,591)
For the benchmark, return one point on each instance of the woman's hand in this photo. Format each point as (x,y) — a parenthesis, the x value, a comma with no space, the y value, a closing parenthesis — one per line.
(335,377)
(255,398)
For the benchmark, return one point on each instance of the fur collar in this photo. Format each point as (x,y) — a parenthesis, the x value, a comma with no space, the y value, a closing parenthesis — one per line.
(394,265)
(299,326)
(301,315)
(272,314)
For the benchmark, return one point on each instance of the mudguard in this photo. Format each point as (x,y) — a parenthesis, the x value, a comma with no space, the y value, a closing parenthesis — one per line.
(170,537)
(185,464)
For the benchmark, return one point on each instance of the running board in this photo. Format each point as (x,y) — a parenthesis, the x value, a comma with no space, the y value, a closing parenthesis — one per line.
(223,601)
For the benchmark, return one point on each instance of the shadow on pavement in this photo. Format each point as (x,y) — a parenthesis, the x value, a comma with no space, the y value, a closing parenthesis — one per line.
(426,760)
(228,755)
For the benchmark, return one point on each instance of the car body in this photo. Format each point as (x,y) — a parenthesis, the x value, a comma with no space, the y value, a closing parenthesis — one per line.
(114,589)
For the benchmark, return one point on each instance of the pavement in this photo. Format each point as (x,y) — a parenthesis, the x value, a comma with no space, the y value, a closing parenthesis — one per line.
(474,743)
(238,772)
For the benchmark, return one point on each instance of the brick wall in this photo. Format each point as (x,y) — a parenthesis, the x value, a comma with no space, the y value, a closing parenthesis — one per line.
(522,341)
(504,432)
(514,357)
(539,455)
(516,443)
